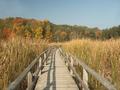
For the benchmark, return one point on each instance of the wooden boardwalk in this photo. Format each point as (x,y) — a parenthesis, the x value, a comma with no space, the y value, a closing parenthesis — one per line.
(55,75)
(49,71)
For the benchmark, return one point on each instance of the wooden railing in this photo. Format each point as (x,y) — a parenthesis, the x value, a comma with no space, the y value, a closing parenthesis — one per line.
(35,68)
(82,82)
(31,72)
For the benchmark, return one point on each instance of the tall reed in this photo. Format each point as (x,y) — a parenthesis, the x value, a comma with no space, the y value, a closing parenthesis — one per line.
(15,55)
(102,56)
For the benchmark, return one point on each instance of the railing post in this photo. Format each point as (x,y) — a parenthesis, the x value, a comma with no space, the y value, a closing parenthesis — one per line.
(47,52)
(85,78)
(45,58)
(60,50)
(40,64)
(66,59)
(29,80)
(71,61)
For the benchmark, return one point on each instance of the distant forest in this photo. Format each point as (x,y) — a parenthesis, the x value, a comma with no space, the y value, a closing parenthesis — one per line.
(31,28)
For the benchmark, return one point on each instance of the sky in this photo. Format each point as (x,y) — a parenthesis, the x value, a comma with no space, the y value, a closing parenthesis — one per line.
(91,13)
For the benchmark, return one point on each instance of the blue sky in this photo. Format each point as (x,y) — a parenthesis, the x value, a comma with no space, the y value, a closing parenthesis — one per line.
(92,13)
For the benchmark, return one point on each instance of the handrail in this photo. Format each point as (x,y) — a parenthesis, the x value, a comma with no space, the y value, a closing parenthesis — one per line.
(77,76)
(21,77)
(87,69)
(100,78)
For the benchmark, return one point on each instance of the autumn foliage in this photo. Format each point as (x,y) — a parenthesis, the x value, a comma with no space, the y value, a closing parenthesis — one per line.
(43,29)
(25,27)
(7,33)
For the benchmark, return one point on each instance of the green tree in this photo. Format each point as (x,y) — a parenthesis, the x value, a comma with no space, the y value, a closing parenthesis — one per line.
(38,32)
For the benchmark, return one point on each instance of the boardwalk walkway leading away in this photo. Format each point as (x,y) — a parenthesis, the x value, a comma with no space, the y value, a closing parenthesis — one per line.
(54,69)
(55,75)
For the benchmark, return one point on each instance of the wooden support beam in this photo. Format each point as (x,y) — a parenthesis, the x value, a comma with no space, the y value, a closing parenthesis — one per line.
(45,58)
(71,62)
(40,64)
(85,78)
(66,59)
(29,80)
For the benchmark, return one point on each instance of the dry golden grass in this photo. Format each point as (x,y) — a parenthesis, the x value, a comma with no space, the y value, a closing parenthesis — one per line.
(15,55)
(102,56)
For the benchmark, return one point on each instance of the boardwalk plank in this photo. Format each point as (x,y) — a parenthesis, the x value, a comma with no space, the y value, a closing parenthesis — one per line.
(55,75)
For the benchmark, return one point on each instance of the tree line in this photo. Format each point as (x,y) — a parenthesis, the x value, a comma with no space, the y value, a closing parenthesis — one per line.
(44,29)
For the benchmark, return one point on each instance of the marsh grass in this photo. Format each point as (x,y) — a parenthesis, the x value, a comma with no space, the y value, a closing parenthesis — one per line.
(15,56)
(102,56)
